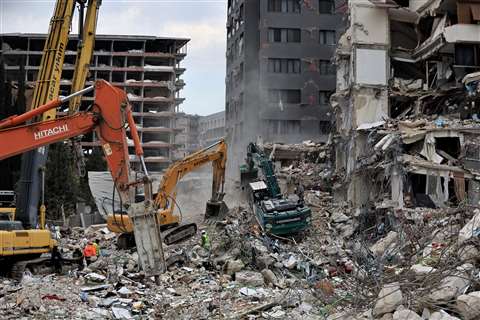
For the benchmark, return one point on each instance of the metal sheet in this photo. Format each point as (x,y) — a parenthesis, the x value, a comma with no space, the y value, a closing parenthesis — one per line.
(259,185)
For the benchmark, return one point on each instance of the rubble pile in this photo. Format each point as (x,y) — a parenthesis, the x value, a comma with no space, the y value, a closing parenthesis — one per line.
(414,263)
(417,162)
(245,273)
(423,263)
(307,162)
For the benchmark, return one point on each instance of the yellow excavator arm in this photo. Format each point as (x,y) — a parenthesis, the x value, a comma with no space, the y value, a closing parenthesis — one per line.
(166,196)
(85,52)
(216,154)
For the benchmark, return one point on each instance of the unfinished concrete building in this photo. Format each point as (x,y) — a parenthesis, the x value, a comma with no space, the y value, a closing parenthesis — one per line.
(146,67)
(406,104)
(279,71)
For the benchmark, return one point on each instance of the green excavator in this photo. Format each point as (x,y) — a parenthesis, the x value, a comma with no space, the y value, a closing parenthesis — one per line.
(275,213)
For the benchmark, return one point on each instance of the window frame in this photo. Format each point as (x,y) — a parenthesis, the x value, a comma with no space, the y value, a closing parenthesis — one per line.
(284,6)
(284,66)
(323,37)
(284,35)
(326,68)
(287,96)
(324,97)
(321,8)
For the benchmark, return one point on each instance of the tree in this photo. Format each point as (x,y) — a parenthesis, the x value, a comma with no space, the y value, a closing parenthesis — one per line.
(10,168)
(94,162)
(62,184)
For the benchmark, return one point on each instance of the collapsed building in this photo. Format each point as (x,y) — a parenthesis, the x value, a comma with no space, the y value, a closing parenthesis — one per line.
(407,130)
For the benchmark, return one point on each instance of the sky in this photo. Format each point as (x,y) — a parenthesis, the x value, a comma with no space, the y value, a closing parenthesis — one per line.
(203,21)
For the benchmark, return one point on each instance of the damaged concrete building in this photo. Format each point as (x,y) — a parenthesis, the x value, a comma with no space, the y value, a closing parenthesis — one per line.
(406,104)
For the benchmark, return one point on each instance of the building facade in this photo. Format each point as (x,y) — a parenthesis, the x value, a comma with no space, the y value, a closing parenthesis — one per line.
(148,68)
(279,71)
(188,137)
(212,128)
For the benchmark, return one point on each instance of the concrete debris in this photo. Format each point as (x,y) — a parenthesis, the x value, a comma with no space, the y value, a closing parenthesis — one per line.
(468,253)
(290,263)
(468,305)
(124,292)
(276,313)
(269,277)
(121,313)
(95,277)
(353,263)
(234,266)
(450,288)
(249,278)
(442,315)
(406,314)
(421,271)
(389,298)
(384,244)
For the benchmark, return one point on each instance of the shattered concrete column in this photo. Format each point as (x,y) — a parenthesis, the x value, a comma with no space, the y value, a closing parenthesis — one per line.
(361,97)
(396,178)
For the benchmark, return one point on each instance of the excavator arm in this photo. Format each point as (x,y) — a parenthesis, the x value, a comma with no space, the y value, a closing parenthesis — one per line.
(47,88)
(109,117)
(216,154)
(256,157)
(87,31)
(106,118)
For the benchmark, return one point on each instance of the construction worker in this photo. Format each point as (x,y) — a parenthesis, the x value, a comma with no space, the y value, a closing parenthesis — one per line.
(96,244)
(89,252)
(205,240)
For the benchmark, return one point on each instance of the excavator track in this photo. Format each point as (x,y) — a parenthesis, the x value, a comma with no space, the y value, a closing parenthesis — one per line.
(17,270)
(180,233)
(43,265)
(34,265)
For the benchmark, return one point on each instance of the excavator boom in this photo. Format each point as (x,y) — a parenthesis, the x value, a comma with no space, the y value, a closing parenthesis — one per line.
(106,118)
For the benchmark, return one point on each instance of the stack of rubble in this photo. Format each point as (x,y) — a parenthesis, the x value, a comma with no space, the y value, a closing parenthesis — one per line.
(380,264)
(307,162)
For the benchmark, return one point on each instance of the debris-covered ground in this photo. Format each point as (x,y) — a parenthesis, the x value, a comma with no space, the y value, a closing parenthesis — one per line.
(413,263)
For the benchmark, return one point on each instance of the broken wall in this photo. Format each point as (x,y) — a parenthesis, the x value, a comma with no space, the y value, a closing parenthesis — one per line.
(361,97)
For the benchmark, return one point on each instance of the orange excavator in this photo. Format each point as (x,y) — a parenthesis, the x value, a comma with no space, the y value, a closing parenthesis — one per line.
(109,116)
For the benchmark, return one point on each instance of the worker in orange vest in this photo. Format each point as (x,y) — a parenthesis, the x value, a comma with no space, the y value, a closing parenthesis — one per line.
(89,252)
